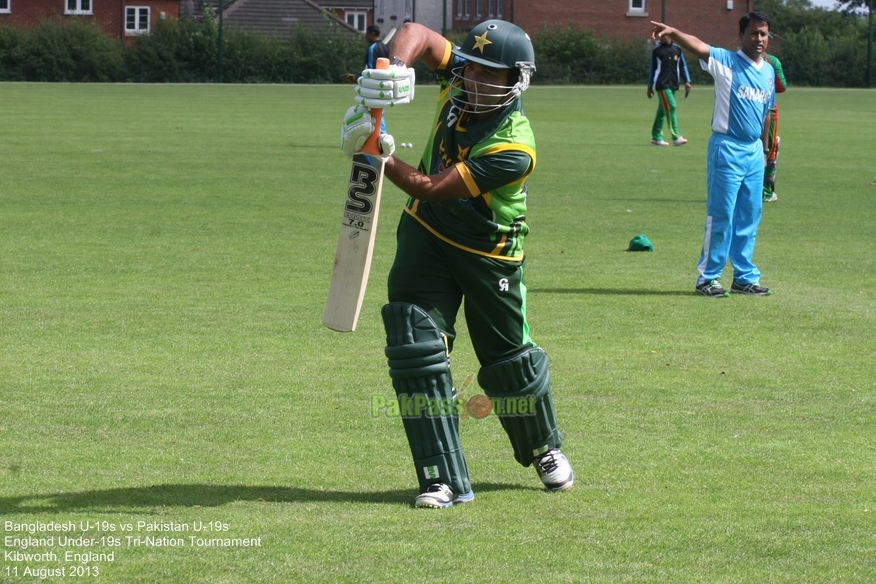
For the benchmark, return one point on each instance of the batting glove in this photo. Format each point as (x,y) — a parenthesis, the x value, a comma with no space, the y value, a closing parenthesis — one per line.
(383,88)
(358,125)
(387,145)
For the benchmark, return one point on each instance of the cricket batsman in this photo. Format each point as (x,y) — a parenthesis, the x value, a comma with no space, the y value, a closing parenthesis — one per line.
(460,243)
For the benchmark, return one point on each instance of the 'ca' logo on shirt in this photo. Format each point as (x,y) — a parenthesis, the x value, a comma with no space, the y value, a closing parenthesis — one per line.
(503,285)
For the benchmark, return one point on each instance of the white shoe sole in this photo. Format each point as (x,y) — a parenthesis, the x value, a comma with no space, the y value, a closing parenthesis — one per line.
(429,503)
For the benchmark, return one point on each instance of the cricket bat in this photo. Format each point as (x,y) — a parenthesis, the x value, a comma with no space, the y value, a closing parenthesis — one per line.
(357,233)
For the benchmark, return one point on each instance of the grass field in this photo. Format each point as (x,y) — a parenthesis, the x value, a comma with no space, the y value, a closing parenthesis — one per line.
(165,253)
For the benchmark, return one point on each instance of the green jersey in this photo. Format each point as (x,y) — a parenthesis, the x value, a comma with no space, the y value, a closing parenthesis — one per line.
(781,83)
(494,157)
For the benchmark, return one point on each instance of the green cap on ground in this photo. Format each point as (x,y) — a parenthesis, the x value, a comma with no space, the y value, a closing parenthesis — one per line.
(641,243)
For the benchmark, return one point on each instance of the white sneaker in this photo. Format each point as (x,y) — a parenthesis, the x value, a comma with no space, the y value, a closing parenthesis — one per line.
(440,495)
(680,141)
(659,143)
(554,470)
(771,199)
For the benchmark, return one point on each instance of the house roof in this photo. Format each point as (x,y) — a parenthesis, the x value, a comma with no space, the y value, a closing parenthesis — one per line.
(277,17)
(348,4)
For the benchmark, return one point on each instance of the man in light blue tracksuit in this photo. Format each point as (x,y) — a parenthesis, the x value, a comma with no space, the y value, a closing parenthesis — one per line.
(744,92)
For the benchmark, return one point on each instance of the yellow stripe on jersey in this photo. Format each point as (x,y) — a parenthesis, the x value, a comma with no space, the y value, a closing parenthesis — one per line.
(468,179)
(500,244)
(495,254)
(516,147)
(448,47)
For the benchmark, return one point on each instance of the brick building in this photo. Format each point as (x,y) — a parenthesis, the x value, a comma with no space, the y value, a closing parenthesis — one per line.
(122,19)
(714,21)
(277,18)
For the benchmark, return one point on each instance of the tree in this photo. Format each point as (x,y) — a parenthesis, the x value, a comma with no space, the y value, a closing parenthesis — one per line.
(853,6)
(856,7)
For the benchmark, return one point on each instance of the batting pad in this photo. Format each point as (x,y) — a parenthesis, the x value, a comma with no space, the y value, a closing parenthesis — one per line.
(523,375)
(420,373)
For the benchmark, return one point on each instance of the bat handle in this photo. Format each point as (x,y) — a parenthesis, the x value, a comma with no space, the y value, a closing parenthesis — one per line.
(371,146)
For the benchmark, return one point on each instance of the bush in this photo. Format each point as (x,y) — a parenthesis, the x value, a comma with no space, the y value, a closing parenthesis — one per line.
(13,53)
(250,57)
(176,51)
(808,58)
(320,56)
(573,55)
(817,47)
(67,50)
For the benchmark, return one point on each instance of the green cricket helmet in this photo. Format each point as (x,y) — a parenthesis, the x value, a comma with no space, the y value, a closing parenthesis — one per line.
(499,45)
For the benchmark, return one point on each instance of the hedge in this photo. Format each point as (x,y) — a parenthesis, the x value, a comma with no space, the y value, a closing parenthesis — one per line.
(820,49)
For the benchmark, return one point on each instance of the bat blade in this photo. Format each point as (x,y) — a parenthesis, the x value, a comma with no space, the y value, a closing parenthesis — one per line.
(355,244)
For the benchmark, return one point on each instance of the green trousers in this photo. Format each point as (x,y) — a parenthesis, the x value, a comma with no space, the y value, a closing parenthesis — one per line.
(441,278)
(666,109)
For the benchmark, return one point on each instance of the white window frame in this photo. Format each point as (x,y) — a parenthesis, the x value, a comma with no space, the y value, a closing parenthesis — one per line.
(637,6)
(358,20)
(5,6)
(79,9)
(499,10)
(137,11)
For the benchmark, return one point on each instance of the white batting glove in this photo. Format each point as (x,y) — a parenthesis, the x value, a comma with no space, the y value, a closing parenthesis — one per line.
(358,125)
(383,88)
(387,145)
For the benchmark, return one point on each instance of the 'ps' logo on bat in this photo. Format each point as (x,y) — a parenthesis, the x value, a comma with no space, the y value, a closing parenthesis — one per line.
(363,180)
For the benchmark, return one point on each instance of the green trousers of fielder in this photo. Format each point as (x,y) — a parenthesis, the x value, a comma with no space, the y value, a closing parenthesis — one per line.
(429,281)
(666,109)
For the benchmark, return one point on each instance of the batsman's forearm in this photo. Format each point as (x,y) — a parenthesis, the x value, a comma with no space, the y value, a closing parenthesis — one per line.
(415,41)
(436,187)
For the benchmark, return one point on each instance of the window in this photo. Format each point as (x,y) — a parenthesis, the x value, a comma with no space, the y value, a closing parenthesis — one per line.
(77,7)
(637,5)
(499,9)
(136,20)
(357,20)
(478,11)
(5,6)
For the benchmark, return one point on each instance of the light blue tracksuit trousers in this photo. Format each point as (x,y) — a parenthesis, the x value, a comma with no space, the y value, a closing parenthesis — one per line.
(733,208)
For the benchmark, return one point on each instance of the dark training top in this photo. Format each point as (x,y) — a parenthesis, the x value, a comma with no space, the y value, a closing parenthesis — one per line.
(667,68)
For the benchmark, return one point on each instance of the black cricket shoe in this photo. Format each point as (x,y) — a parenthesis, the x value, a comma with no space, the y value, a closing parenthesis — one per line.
(712,289)
(749,289)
